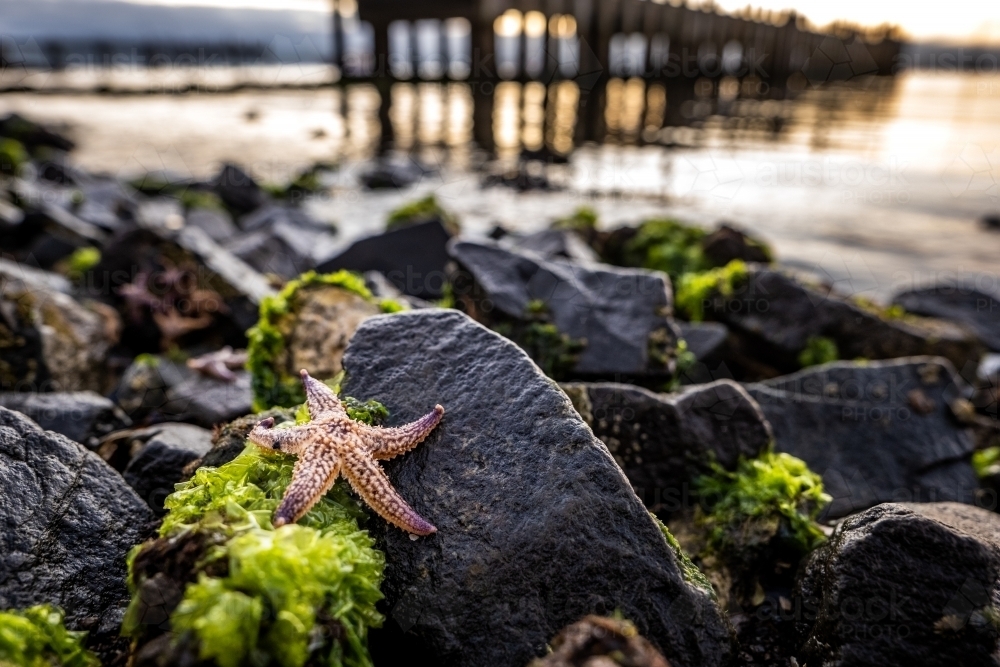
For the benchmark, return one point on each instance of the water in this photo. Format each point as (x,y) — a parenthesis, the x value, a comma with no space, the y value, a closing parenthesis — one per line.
(877,185)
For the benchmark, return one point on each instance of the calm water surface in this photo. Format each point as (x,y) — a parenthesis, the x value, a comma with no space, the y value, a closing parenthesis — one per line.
(878,186)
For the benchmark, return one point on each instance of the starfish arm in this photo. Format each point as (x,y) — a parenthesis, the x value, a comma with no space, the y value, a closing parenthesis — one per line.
(370,482)
(320,399)
(385,443)
(289,440)
(314,473)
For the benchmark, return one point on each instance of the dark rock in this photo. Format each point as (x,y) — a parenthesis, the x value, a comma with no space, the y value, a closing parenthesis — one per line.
(561,244)
(664,441)
(537,526)
(727,243)
(50,214)
(82,416)
(157,389)
(217,224)
(705,340)
(68,522)
(32,134)
(622,314)
(987,382)
(977,311)
(413,258)
(778,315)
(282,240)
(905,584)
(526,176)
(51,341)
(990,222)
(876,432)
(393,175)
(381,288)
(177,287)
(159,463)
(594,637)
(238,190)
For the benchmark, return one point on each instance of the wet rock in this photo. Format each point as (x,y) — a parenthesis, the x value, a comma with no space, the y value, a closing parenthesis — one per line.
(50,228)
(976,310)
(537,526)
(68,522)
(155,388)
(727,243)
(238,190)
(905,584)
(664,441)
(990,222)
(777,316)
(560,244)
(49,341)
(412,257)
(282,240)
(177,288)
(218,225)
(623,315)
(987,396)
(160,460)
(82,416)
(876,432)
(596,640)
(393,174)
(705,340)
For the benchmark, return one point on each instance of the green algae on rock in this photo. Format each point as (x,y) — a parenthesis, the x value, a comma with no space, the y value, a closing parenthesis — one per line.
(306,325)
(240,592)
(304,593)
(422,210)
(689,570)
(771,494)
(818,350)
(37,637)
(669,246)
(694,289)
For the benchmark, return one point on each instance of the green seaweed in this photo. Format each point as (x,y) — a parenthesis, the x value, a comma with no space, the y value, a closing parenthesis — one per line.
(818,350)
(13,155)
(200,199)
(689,571)
(421,210)
(669,246)
(583,219)
(773,494)
(695,289)
(37,637)
(305,593)
(266,341)
(79,262)
(986,462)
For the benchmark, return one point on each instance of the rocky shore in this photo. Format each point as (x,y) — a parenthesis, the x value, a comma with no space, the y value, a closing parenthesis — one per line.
(660,446)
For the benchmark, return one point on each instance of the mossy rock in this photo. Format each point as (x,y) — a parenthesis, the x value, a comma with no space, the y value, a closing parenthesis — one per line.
(223,587)
(694,290)
(307,325)
(754,524)
(37,637)
(422,210)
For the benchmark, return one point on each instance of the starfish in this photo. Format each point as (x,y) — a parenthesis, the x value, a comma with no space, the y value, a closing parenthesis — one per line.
(332,443)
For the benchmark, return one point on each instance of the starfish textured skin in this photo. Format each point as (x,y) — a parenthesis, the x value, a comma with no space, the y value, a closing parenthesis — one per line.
(332,444)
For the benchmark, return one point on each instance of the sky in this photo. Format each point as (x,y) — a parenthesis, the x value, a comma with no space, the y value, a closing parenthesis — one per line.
(963,21)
